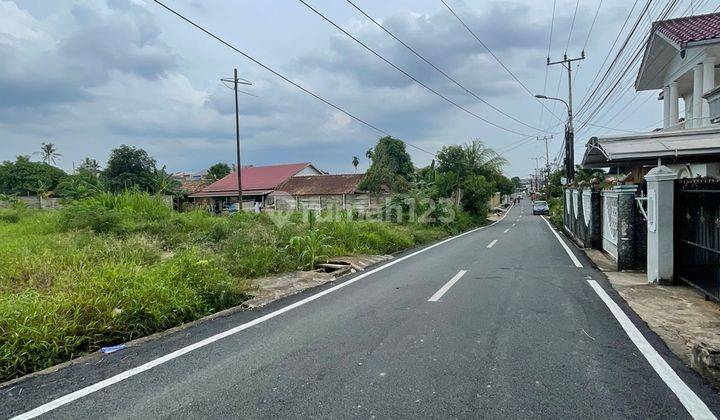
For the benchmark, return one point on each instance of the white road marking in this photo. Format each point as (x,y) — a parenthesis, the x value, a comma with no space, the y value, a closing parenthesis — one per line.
(692,403)
(506,230)
(447,286)
(68,398)
(513,225)
(564,245)
(490,245)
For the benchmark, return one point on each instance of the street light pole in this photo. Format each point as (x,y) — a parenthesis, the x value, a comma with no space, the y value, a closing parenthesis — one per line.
(236,81)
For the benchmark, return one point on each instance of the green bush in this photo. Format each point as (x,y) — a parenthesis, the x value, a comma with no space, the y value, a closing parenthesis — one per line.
(9,215)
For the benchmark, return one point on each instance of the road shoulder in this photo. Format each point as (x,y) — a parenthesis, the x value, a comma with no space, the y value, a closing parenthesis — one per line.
(687,323)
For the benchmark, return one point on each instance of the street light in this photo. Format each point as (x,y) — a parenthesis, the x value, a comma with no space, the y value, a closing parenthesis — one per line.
(569,139)
(550,98)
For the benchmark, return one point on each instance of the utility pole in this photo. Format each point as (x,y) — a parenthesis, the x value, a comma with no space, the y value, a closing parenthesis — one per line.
(537,176)
(547,165)
(235,81)
(569,132)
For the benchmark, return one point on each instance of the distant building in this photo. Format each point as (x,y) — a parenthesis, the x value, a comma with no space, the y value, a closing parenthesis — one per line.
(257,183)
(340,192)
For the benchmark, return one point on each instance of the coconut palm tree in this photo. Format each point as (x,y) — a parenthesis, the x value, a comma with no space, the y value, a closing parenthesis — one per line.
(355,162)
(49,153)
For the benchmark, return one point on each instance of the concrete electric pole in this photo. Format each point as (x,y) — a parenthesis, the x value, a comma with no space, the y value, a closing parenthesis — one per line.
(569,131)
(236,81)
(547,164)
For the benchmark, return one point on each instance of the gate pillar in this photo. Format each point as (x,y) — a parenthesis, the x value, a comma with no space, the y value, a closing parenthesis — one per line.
(660,224)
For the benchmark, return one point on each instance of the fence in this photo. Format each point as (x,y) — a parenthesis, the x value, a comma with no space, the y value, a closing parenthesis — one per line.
(607,220)
(697,234)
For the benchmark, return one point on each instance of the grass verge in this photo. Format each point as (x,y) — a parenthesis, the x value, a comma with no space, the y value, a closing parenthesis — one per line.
(113,268)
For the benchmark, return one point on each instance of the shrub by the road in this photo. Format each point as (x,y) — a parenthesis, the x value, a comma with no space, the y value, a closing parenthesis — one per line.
(114,267)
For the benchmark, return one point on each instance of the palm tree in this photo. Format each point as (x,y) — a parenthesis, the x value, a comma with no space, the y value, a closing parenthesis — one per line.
(90,165)
(49,153)
(355,162)
(481,159)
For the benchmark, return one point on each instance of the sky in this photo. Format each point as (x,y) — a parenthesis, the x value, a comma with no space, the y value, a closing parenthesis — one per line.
(90,75)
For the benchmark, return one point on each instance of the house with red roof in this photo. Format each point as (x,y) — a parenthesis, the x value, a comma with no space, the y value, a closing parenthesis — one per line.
(257,183)
(666,213)
(680,62)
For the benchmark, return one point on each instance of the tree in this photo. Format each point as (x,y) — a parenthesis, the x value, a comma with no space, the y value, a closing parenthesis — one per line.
(130,167)
(355,162)
(49,153)
(391,166)
(24,176)
(89,166)
(517,182)
(217,171)
(472,159)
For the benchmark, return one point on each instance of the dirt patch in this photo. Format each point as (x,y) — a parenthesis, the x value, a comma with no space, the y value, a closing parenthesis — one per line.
(268,289)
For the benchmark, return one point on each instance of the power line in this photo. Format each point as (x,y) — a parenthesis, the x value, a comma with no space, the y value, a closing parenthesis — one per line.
(572,25)
(592,25)
(276,73)
(439,70)
(552,24)
(413,78)
(497,59)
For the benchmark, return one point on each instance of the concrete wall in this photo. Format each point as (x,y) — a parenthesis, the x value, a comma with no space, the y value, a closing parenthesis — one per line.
(362,203)
(582,218)
(610,221)
(33,202)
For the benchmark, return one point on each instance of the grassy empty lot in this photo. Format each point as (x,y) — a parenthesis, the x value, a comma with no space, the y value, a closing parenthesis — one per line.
(112,268)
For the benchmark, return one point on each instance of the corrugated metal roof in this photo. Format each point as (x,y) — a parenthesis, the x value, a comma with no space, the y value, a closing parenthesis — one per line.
(636,148)
(322,184)
(691,28)
(254,178)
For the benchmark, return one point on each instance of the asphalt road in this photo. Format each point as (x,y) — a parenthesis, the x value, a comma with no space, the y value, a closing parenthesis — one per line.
(522,333)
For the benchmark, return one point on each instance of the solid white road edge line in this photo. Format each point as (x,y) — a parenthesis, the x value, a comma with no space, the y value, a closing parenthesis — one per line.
(490,245)
(447,286)
(68,398)
(564,245)
(692,403)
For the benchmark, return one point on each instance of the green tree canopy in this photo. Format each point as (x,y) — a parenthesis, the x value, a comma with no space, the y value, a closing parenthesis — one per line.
(517,182)
(217,171)
(25,177)
(390,166)
(130,167)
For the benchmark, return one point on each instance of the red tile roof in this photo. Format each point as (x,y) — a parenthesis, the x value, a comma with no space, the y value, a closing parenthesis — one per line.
(255,178)
(691,28)
(322,184)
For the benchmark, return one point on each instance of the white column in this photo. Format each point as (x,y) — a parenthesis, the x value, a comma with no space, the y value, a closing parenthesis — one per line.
(697,106)
(660,207)
(674,111)
(666,107)
(708,85)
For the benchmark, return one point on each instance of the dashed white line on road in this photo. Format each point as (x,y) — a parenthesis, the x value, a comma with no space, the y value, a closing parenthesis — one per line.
(490,245)
(506,230)
(447,286)
(692,403)
(564,245)
(513,225)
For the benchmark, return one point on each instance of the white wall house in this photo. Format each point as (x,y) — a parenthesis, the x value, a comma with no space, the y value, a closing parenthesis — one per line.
(681,62)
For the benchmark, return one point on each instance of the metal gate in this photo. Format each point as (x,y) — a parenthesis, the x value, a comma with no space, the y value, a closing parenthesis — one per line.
(697,234)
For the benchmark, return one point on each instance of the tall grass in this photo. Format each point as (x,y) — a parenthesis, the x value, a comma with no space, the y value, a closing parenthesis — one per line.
(112,268)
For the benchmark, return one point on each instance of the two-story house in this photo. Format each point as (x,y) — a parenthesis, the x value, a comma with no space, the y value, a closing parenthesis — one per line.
(680,61)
